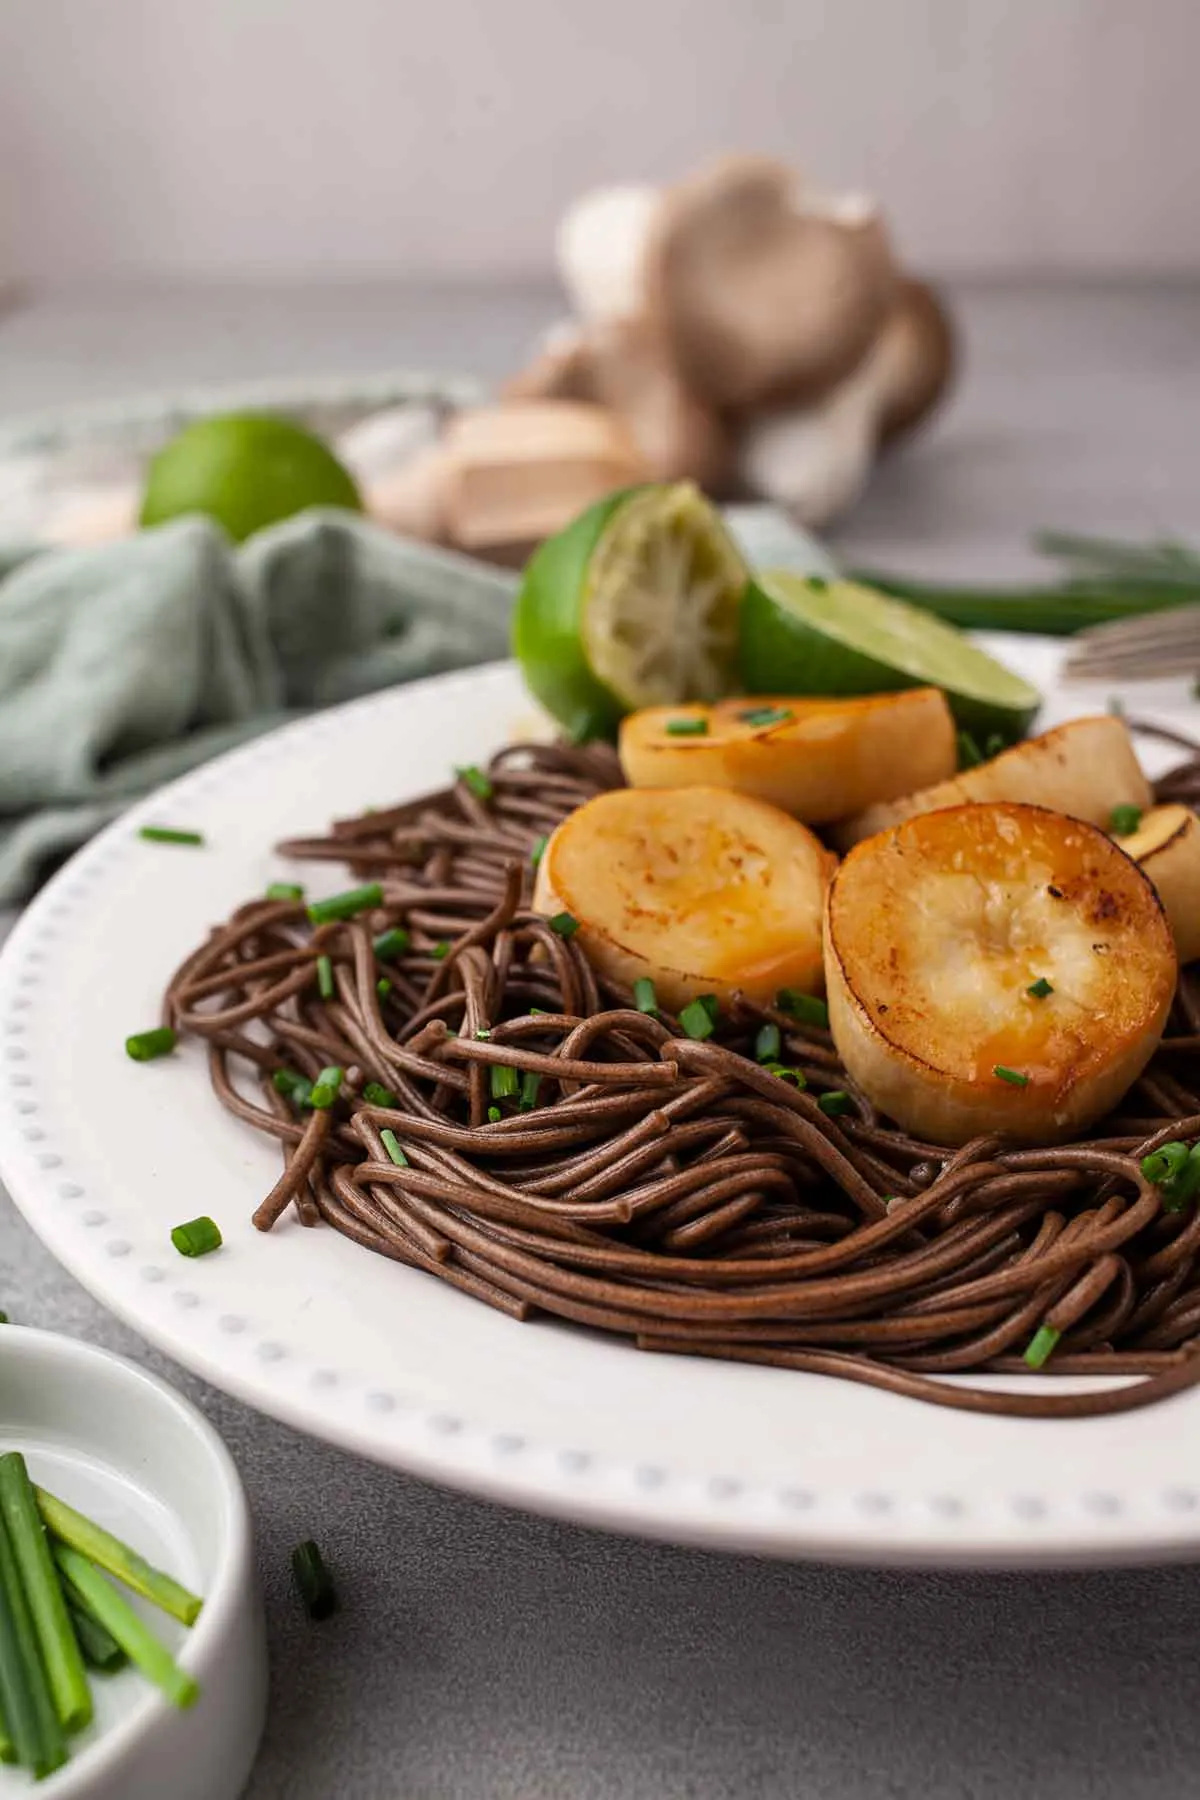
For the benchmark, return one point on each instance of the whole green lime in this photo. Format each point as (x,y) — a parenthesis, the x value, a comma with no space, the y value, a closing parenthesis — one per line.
(246,471)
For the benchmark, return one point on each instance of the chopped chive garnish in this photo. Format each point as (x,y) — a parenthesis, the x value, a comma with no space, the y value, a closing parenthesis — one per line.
(531,1081)
(767,1044)
(375,1095)
(286,1081)
(1040,989)
(711,1005)
(836,1102)
(197,1237)
(4,1320)
(390,945)
(326,1087)
(383,987)
(538,851)
(494,1115)
(696,1019)
(969,753)
(1164,1163)
(476,780)
(162,834)
(506,1083)
(285,890)
(391,1144)
(786,1073)
(144,1046)
(644,996)
(1180,1181)
(313,1580)
(766,715)
(695,727)
(483,1034)
(994,746)
(346,905)
(1123,821)
(1041,1346)
(565,924)
(805,1007)
(1014,1077)
(440,951)
(817,583)
(325,977)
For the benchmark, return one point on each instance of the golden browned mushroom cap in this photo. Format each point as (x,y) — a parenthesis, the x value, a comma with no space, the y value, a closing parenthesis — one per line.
(918,356)
(622,364)
(764,293)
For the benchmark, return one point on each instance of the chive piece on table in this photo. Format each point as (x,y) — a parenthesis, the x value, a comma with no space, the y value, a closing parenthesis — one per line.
(391,1144)
(326,1087)
(969,753)
(767,1043)
(565,924)
(99,1647)
(506,1083)
(325,978)
(314,1581)
(494,1115)
(696,1020)
(145,1046)
(693,727)
(390,945)
(346,905)
(25,1696)
(57,1642)
(1040,989)
(836,1102)
(644,996)
(476,780)
(1041,1346)
(804,1007)
(4,1319)
(1123,821)
(766,715)
(383,987)
(108,1552)
(538,851)
(119,1619)
(163,834)
(198,1237)
(1014,1077)
(531,1081)
(376,1095)
(285,890)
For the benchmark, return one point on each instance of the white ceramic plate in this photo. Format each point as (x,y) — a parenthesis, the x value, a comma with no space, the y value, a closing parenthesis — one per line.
(104,1155)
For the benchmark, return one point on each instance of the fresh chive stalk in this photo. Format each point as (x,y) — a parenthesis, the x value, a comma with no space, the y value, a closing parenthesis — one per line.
(391,945)
(8,1750)
(119,1619)
(768,1043)
(391,1144)
(644,996)
(145,1046)
(198,1237)
(346,905)
(804,1007)
(325,978)
(326,1087)
(163,834)
(99,1647)
(506,1083)
(43,1591)
(314,1580)
(66,1526)
(25,1696)
(696,1020)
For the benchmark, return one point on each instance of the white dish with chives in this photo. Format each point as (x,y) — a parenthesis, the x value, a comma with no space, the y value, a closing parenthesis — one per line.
(107,1156)
(133,1512)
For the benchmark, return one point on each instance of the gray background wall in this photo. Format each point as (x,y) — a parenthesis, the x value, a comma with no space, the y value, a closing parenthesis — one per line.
(238,138)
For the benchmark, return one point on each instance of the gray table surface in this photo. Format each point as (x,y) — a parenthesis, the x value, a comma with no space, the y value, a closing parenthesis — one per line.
(482,1655)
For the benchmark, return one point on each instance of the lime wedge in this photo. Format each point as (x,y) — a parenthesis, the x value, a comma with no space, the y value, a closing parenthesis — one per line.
(634,604)
(246,471)
(804,635)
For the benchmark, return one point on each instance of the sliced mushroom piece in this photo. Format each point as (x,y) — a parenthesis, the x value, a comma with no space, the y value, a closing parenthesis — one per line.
(562,369)
(761,290)
(917,355)
(601,249)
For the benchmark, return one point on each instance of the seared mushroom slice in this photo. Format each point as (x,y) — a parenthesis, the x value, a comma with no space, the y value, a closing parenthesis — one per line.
(762,291)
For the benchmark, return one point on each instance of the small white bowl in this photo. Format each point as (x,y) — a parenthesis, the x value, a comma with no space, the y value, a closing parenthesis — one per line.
(128,1451)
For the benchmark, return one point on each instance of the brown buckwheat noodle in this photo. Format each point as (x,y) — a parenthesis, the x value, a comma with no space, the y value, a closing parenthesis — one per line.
(669,1190)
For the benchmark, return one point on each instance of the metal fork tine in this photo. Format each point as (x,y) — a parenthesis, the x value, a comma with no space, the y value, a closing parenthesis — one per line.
(1154,644)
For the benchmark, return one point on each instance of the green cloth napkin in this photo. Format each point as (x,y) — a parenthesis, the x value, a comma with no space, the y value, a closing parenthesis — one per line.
(124,665)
